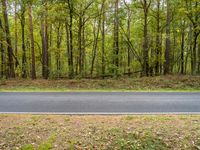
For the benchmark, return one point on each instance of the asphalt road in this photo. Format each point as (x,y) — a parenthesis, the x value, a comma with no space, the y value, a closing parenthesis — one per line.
(100,103)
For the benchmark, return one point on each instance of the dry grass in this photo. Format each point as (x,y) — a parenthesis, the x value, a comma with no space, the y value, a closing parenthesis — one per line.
(179,83)
(99,132)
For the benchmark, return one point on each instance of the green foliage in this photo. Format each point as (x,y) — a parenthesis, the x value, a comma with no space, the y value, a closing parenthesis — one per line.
(27,147)
(47,145)
(136,141)
(87,14)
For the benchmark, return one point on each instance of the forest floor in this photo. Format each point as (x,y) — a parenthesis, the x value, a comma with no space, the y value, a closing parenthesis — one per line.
(161,83)
(28,132)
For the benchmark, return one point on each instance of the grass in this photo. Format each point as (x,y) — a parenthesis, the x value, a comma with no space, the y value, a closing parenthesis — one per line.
(40,132)
(152,84)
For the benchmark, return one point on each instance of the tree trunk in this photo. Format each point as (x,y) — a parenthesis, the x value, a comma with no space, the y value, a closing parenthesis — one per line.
(158,44)
(146,42)
(24,61)
(10,64)
(128,45)
(44,52)
(103,39)
(50,45)
(33,72)
(46,40)
(70,39)
(182,47)
(80,43)
(58,58)
(116,39)
(168,42)
(2,71)
(83,50)
(44,34)
(198,71)
(16,35)
(194,53)
(95,45)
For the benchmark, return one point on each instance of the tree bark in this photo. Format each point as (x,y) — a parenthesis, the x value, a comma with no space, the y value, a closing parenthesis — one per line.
(182,47)
(116,39)
(2,71)
(80,43)
(10,63)
(44,51)
(16,35)
(146,42)
(128,45)
(168,42)
(70,38)
(103,39)
(158,44)
(33,71)
(96,38)
(58,57)
(44,34)
(24,61)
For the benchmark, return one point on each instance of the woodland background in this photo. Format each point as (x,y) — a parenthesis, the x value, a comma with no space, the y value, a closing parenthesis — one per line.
(98,38)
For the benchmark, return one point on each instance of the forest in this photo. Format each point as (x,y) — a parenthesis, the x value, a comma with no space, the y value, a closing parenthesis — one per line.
(55,39)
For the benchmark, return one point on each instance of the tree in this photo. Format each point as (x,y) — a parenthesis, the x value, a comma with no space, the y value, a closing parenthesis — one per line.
(24,60)
(116,38)
(146,5)
(58,44)
(10,62)
(193,14)
(168,42)
(16,33)
(2,73)
(69,31)
(103,15)
(44,34)
(158,43)
(96,30)
(33,72)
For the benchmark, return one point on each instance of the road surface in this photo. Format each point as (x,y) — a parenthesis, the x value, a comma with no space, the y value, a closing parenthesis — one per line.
(100,103)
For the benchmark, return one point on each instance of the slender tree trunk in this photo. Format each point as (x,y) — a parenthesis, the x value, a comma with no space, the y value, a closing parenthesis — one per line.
(16,35)
(158,44)
(33,72)
(168,42)
(146,42)
(190,47)
(2,71)
(83,50)
(24,61)
(10,68)
(80,43)
(44,52)
(194,56)
(173,62)
(128,45)
(103,39)
(58,57)
(70,42)
(116,39)
(198,71)
(2,74)
(44,34)
(50,45)
(47,40)
(182,47)
(161,53)
(95,45)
